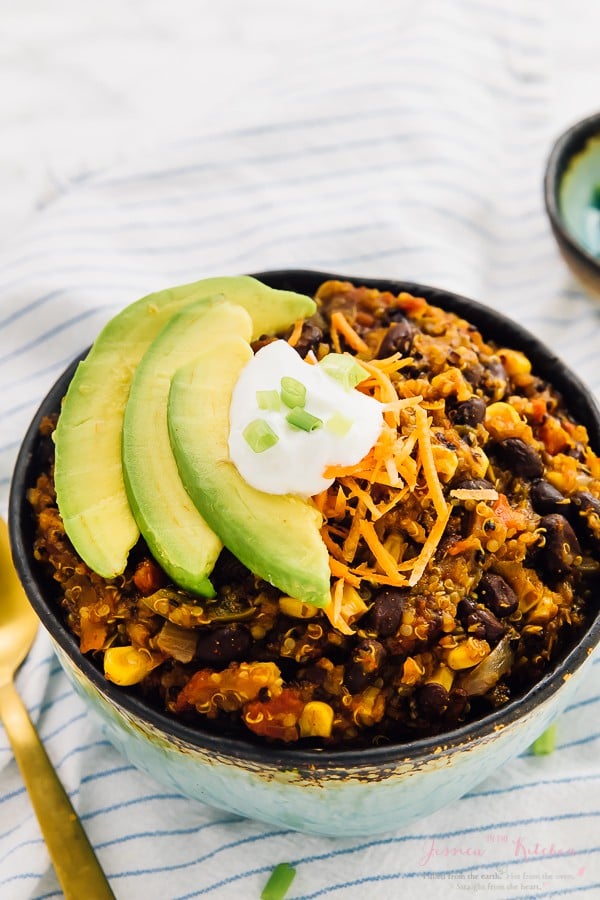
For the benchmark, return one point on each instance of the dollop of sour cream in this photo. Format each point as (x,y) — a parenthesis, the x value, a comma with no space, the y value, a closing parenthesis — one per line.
(295,463)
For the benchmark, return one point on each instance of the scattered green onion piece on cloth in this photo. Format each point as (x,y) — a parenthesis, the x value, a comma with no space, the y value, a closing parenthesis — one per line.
(268,400)
(546,742)
(259,435)
(344,368)
(293,392)
(279,882)
(304,420)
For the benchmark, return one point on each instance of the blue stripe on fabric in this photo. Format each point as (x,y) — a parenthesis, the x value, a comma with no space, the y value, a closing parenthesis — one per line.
(395,876)
(530,784)
(159,833)
(106,773)
(52,332)
(155,870)
(581,703)
(91,814)
(75,751)
(28,843)
(55,367)
(288,156)
(384,877)
(29,307)
(345,851)
(579,742)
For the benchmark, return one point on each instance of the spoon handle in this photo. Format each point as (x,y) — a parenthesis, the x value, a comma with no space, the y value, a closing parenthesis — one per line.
(74,860)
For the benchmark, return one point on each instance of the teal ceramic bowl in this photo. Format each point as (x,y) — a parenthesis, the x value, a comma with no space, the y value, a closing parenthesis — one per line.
(330,792)
(572,195)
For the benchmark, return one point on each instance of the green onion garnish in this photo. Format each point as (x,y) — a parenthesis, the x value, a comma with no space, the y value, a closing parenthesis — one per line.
(300,418)
(293,392)
(259,435)
(278,884)
(338,424)
(546,742)
(344,368)
(268,400)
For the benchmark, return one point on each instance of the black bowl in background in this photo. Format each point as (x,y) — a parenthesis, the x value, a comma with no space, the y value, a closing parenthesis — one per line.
(567,152)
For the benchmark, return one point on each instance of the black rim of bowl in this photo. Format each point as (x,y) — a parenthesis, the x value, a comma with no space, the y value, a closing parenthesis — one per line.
(492,325)
(568,145)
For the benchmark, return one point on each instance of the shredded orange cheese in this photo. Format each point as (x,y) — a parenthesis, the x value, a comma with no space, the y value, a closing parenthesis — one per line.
(296,332)
(474,494)
(401,461)
(428,462)
(341,325)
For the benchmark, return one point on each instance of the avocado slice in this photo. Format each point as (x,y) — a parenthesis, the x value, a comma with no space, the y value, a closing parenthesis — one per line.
(90,488)
(177,535)
(276,536)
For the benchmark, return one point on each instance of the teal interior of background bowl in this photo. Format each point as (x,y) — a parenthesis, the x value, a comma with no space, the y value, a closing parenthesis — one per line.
(579,197)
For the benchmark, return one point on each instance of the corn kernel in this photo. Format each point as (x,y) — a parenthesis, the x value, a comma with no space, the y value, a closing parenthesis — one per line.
(128,665)
(412,671)
(446,461)
(543,612)
(316,719)
(479,463)
(502,420)
(296,609)
(515,362)
(468,653)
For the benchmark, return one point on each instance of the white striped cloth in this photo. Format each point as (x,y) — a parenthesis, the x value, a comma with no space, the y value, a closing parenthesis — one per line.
(403,140)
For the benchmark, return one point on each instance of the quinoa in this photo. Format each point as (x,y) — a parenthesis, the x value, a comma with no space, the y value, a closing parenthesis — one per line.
(464,559)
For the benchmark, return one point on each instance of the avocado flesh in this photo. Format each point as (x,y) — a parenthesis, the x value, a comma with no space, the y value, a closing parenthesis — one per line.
(276,536)
(88,474)
(177,535)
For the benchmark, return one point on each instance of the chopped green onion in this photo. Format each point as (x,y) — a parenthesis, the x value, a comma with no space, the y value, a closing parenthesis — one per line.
(259,435)
(344,368)
(338,424)
(546,742)
(268,400)
(293,392)
(279,882)
(300,418)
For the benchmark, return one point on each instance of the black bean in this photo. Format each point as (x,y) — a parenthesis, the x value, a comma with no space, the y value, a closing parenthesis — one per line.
(585,502)
(228,569)
(494,380)
(314,674)
(356,680)
(398,339)
(223,645)
(561,550)
(385,615)
(585,516)
(470,412)
(310,338)
(474,373)
(474,484)
(545,498)
(479,622)
(433,699)
(457,705)
(497,594)
(393,314)
(521,458)
(369,654)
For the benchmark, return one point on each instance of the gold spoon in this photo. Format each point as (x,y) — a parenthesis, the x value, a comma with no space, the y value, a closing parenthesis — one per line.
(74,860)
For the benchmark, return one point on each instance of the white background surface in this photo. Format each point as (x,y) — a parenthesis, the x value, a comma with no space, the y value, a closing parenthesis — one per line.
(86,84)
